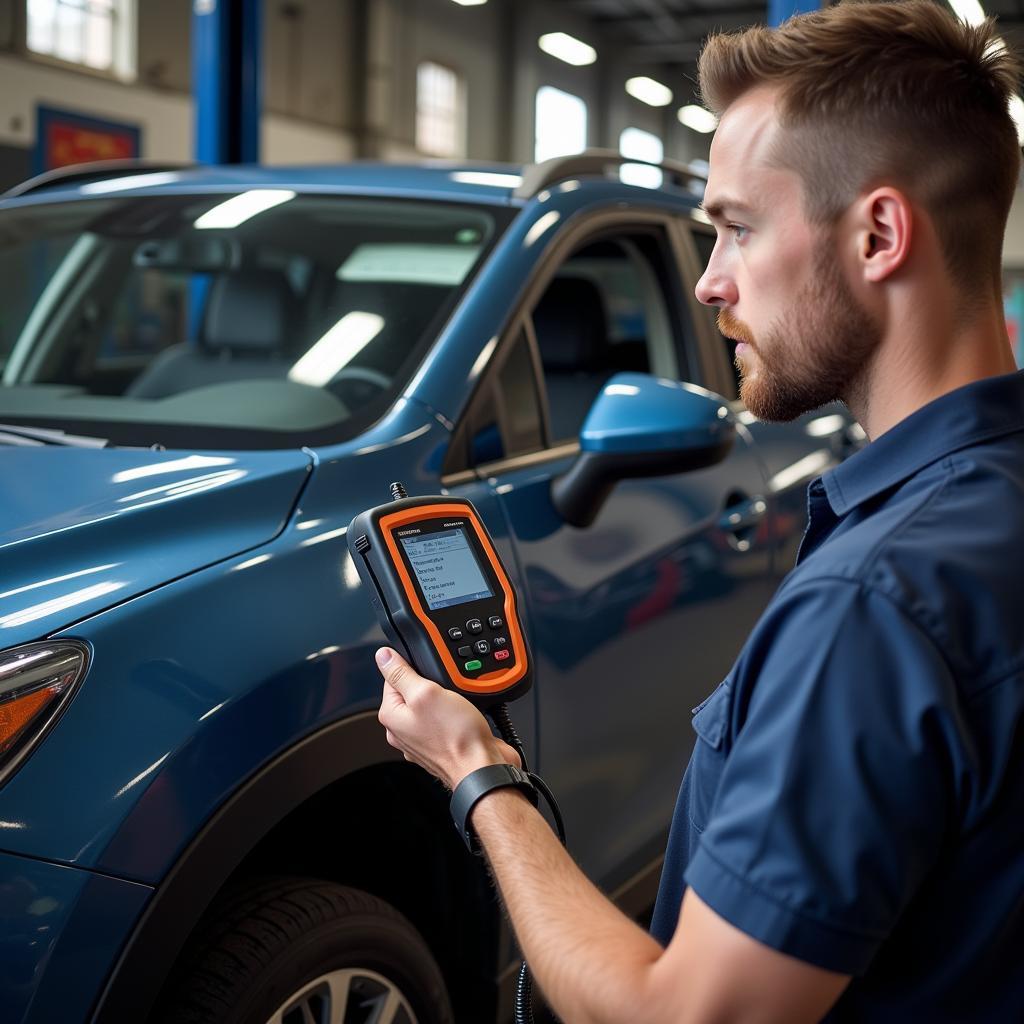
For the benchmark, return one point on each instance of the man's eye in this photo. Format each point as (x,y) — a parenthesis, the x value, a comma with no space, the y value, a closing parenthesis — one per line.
(738,230)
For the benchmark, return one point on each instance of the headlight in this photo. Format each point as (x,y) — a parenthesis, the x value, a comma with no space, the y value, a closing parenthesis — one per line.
(36,684)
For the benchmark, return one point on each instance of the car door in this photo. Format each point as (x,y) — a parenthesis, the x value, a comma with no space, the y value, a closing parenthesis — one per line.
(792,454)
(635,618)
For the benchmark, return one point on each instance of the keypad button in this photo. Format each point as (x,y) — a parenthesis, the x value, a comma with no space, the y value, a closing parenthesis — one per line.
(482,647)
(455,633)
(501,655)
(495,622)
(475,626)
(466,651)
(473,666)
(500,641)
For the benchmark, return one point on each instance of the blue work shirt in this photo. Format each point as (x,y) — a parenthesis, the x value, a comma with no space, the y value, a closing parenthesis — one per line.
(855,796)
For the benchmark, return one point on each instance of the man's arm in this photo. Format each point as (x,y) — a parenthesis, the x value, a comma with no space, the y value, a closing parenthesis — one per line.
(594,965)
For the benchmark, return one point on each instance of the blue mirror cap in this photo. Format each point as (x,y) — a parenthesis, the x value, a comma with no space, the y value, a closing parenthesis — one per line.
(636,412)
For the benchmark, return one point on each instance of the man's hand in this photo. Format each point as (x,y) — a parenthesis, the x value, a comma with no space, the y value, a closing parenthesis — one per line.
(435,728)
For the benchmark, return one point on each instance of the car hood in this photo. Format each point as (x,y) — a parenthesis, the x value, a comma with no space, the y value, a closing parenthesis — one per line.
(84,529)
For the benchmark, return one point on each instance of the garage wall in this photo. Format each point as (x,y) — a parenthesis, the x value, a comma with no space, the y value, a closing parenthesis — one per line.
(340,81)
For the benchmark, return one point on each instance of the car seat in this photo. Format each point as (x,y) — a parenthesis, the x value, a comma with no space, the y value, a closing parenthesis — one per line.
(244,335)
(572,339)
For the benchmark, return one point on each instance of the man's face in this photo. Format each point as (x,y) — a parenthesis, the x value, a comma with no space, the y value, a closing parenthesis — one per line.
(777,281)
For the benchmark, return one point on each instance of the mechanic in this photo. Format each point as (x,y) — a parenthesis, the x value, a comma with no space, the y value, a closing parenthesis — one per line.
(847,842)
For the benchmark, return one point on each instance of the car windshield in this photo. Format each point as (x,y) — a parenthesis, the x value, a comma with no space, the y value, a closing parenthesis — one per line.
(258,319)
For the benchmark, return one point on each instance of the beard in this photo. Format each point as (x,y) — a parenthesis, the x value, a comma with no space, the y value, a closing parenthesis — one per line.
(815,355)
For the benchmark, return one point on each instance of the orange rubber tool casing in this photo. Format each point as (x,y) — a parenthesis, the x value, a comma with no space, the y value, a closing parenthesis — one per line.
(442,595)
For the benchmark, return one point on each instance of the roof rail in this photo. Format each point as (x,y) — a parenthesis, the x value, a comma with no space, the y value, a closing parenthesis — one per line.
(595,161)
(97,170)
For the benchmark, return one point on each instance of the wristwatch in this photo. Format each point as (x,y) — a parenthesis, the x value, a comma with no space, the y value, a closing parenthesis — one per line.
(477,784)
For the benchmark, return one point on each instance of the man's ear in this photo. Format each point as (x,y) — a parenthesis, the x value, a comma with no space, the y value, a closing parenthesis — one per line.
(884,224)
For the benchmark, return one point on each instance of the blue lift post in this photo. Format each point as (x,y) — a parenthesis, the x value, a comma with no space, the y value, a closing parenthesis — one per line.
(227,97)
(226,80)
(780,10)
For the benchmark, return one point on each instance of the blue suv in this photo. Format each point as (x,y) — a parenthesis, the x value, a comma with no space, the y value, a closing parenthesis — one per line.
(206,373)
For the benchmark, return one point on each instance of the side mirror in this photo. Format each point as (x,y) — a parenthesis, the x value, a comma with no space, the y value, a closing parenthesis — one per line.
(641,426)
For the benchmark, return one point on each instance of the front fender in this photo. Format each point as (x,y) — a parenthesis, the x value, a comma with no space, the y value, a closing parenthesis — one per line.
(266,799)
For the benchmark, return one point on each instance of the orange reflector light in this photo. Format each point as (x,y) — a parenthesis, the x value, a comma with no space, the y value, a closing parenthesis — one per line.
(37,681)
(16,715)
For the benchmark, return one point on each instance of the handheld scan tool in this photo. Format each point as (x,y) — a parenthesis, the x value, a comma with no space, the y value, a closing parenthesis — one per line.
(442,595)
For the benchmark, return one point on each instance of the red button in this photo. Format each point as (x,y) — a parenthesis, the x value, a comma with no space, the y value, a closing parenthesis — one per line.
(500,655)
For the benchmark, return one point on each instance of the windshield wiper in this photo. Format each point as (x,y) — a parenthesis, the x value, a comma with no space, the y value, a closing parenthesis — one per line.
(32,436)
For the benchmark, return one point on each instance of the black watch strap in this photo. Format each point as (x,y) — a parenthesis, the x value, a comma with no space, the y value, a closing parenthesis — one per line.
(477,784)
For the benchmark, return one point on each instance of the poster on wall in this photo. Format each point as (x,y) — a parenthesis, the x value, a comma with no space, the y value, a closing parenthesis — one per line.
(64,137)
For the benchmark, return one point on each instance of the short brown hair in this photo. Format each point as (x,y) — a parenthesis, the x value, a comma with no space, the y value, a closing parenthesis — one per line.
(889,93)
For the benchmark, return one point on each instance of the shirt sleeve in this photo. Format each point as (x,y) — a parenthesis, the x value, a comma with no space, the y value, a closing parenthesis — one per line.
(839,780)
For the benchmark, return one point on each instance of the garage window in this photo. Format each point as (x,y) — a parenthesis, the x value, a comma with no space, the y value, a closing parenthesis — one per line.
(440,111)
(561,124)
(97,34)
(641,145)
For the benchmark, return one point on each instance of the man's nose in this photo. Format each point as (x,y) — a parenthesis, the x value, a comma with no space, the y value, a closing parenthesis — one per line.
(716,288)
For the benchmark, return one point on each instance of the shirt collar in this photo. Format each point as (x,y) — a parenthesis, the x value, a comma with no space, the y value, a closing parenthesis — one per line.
(976,412)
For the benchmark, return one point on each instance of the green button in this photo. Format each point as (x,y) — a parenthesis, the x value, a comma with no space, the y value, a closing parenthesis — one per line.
(472,666)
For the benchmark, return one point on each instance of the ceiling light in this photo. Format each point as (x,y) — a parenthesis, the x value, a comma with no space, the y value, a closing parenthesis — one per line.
(567,48)
(239,209)
(648,91)
(697,118)
(470,3)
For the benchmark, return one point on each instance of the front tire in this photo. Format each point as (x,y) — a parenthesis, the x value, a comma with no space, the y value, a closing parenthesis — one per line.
(302,951)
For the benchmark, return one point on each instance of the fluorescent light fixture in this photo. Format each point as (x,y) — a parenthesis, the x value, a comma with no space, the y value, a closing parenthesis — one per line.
(238,209)
(648,91)
(337,348)
(132,181)
(968,10)
(470,3)
(492,178)
(568,48)
(697,118)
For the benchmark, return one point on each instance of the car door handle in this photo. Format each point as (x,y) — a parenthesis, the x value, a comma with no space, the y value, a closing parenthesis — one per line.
(740,519)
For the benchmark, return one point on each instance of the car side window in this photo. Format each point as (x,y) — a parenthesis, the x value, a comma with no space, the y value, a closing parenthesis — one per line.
(504,418)
(608,309)
(705,243)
